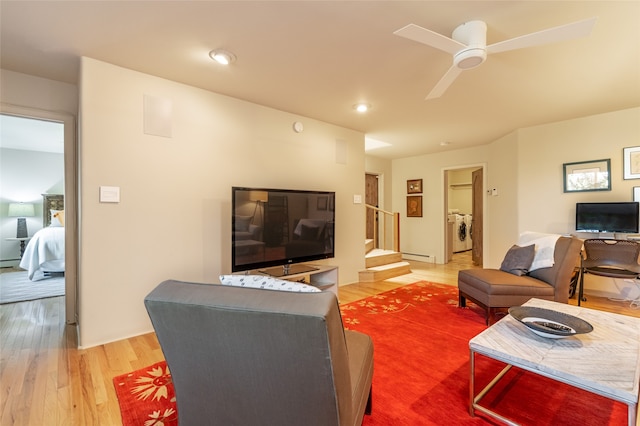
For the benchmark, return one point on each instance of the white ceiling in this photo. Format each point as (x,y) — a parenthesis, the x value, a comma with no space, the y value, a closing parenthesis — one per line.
(318,58)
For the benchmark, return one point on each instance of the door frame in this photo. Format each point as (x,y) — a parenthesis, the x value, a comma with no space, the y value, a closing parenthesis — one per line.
(445,200)
(70,197)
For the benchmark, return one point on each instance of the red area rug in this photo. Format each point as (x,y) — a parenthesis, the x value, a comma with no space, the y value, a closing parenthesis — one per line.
(146,397)
(421,371)
(421,367)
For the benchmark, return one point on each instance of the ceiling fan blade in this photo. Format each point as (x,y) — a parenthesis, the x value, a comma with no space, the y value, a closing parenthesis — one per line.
(548,36)
(430,38)
(444,83)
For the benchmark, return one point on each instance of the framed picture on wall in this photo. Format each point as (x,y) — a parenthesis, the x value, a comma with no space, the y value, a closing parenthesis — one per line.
(414,205)
(587,176)
(414,186)
(631,161)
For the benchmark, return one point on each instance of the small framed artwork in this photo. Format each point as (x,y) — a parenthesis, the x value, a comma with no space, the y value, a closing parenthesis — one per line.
(587,176)
(414,186)
(414,205)
(322,203)
(631,161)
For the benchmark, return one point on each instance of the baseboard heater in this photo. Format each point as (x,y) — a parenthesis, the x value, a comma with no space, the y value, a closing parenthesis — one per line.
(419,257)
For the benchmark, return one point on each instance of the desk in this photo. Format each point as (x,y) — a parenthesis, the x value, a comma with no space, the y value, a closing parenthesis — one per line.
(613,346)
(23,243)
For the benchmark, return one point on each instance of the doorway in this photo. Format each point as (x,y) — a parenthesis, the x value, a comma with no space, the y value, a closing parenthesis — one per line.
(70,194)
(371,198)
(464,213)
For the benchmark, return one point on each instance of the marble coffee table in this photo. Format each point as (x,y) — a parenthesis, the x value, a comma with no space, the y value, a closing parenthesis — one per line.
(605,361)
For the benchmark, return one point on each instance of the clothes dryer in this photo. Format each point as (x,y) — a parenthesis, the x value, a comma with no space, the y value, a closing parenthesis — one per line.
(460,234)
(467,221)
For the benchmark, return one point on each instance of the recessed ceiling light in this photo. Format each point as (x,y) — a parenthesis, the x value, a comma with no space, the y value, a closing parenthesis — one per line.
(362,107)
(222,56)
(445,143)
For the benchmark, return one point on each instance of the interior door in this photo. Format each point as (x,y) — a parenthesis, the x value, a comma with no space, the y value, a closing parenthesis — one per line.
(477,207)
(371,198)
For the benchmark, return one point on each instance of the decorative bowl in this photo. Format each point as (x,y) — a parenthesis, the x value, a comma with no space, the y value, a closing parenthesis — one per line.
(548,323)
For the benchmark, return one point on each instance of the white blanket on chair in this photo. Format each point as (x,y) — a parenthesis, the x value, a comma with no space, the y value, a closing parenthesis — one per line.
(545,248)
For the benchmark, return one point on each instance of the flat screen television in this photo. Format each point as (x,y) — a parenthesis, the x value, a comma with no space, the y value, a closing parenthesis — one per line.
(275,230)
(619,217)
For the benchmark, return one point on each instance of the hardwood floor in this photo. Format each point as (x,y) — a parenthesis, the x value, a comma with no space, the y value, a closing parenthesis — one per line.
(46,380)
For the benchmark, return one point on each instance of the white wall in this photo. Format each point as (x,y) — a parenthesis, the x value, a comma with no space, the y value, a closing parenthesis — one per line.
(173,220)
(526,169)
(544,149)
(35,92)
(24,176)
(423,238)
(501,217)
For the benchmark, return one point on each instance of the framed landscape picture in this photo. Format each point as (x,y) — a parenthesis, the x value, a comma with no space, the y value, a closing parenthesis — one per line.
(587,176)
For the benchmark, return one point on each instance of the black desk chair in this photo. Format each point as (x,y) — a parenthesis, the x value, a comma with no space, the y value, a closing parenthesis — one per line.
(609,258)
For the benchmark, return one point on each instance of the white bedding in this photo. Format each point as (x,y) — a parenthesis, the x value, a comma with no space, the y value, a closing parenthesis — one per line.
(45,251)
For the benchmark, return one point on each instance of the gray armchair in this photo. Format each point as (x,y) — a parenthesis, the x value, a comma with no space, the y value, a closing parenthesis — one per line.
(241,356)
(494,289)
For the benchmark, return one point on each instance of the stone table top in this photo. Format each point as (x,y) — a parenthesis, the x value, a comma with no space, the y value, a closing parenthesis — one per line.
(605,361)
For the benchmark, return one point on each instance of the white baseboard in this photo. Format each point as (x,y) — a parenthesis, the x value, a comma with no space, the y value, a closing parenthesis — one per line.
(419,257)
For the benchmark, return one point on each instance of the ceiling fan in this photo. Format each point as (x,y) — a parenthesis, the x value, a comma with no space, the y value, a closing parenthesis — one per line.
(468,44)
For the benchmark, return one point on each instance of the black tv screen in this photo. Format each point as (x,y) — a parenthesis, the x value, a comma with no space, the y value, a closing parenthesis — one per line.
(607,217)
(278,227)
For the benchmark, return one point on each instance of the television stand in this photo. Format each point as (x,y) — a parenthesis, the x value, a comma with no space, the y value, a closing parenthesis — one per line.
(285,270)
(321,276)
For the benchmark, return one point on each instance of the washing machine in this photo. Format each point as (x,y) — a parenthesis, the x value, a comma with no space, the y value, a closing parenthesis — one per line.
(460,234)
(467,221)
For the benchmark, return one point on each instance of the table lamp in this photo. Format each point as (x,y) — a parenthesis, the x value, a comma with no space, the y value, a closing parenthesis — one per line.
(21,211)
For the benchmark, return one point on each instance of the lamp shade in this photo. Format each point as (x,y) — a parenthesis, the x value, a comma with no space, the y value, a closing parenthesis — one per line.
(21,210)
(262,196)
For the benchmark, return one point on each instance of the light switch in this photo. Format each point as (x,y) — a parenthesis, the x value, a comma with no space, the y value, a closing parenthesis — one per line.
(357,199)
(109,194)
(494,192)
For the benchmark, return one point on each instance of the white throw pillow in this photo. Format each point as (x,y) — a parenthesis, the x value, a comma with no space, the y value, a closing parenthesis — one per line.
(264,282)
(57,218)
(545,248)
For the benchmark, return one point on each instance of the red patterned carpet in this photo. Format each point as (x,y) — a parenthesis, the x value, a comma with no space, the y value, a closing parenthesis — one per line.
(421,371)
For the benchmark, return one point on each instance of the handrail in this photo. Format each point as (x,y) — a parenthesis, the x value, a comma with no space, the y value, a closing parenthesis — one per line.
(395,223)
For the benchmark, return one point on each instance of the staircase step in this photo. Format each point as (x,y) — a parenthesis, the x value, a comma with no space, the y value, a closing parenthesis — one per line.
(368,246)
(379,257)
(384,272)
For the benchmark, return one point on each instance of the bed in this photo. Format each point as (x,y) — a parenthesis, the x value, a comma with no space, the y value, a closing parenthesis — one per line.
(44,253)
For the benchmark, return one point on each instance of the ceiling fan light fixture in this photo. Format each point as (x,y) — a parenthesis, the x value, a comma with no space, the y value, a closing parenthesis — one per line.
(222,56)
(362,107)
(470,58)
